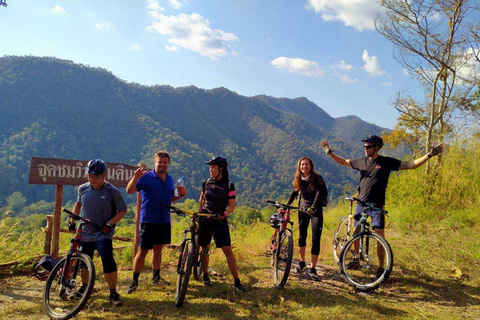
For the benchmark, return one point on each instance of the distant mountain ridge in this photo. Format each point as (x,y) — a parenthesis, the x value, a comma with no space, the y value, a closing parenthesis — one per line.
(56,108)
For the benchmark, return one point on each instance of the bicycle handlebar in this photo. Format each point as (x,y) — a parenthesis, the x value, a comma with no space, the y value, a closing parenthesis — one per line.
(192,213)
(366,204)
(82,219)
(281,205)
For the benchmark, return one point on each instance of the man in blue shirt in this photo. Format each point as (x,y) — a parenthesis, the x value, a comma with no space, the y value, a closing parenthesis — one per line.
(157,190)
(103,204)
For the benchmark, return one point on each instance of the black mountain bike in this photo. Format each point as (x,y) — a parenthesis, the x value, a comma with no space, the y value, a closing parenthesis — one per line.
(190,258)
(281,243)
(71,281)
(366,260)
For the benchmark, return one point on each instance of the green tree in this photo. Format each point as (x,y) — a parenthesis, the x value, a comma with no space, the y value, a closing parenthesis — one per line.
(433,43)
(15,203)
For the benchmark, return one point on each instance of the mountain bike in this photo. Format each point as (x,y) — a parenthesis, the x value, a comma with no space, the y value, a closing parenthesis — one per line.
(366,260)
(281,243)
(343,232)
(190,254)
(71,281)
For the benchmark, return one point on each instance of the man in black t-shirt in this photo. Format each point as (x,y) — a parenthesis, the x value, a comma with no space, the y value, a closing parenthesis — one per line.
(374,173)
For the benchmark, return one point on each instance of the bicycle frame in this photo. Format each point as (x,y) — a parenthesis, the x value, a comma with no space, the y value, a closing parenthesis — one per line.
(193,232)
(366,260)
(284,224)
(74,248)
(189,250)
(62,297)
(281,243)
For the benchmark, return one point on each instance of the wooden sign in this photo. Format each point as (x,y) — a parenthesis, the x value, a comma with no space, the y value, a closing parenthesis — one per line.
(72,172)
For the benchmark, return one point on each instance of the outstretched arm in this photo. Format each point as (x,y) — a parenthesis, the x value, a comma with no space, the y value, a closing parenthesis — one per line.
(337,159)
(418,162)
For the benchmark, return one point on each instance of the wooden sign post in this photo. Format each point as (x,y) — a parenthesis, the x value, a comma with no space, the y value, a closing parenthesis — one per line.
(62,172)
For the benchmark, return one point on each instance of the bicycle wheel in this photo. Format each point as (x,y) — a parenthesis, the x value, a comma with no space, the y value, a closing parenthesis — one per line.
(62,298)
(185,264)
(340,237)
(283,258)
(362,267)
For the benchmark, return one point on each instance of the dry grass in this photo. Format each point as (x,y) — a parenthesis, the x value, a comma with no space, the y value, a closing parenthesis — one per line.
(425,283)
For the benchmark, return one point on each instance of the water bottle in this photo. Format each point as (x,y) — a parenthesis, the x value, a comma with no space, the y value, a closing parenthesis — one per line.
(180,182)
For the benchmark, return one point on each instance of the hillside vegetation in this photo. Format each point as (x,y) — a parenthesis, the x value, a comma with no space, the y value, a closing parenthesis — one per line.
(434,236)
(59,109)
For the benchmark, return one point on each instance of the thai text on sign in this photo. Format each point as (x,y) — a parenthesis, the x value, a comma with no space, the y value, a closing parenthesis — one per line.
(72,172)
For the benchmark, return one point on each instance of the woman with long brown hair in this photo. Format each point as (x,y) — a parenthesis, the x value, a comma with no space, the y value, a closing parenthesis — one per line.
(312,195)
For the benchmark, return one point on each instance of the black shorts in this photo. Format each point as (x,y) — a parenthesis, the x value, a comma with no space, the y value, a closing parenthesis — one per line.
(216,227)
(105,250)
(152,234)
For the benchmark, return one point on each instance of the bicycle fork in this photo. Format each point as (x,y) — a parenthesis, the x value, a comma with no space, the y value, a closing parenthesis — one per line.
(182,250)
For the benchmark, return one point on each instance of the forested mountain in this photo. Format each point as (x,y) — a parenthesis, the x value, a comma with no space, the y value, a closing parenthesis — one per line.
(56,108)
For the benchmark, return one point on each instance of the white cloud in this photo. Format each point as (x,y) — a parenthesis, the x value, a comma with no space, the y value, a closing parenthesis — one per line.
(154,5)
(347,79)
(298,66)
(372,66)
(344,66)
(405,71)
(170,48)
(59,10)
(175,3)
(102,25)
(192,32)
(387,84)
(135,47)
(354,13)
(469,67)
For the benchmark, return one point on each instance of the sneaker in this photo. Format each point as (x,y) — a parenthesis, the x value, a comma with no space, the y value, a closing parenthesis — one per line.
(206,281)
(380,271)
(239,286)
(312,272)
(354,264)
(115,300)
(160,280)
(301,266)
(132,287)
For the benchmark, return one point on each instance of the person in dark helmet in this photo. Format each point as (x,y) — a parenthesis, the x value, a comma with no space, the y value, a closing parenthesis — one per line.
(157,190)
(374,174)
(217,197)
(102,203)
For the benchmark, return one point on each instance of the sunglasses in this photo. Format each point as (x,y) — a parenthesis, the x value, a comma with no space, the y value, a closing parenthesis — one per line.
(368,147)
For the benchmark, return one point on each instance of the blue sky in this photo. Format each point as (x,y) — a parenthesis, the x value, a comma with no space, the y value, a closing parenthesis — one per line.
(325,50)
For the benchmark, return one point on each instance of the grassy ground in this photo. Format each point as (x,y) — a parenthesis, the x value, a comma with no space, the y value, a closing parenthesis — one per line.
(436,275)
